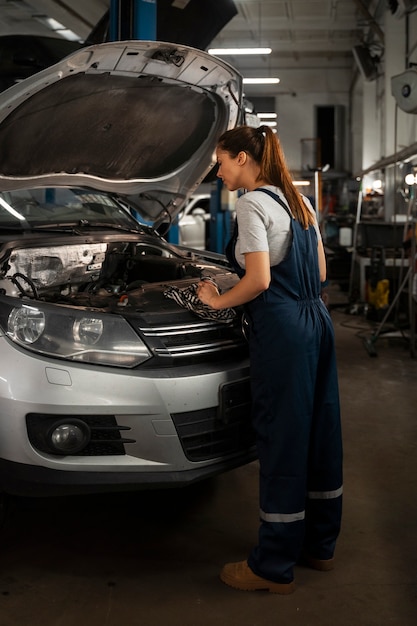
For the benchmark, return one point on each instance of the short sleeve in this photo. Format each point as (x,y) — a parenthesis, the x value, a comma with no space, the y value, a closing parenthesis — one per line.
(253,226)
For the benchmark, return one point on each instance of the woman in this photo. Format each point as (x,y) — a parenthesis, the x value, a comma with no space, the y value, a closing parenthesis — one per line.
(278,253)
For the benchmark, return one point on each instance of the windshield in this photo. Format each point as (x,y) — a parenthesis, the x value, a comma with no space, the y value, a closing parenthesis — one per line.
(60,207)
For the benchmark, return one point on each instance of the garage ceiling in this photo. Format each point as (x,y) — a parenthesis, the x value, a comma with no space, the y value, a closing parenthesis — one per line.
(303,34)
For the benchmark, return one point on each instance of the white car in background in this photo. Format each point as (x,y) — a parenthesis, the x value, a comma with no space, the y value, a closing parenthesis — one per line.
(194,222)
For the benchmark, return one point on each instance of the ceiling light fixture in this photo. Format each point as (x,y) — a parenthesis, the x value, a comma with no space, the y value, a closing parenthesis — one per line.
(234,51)
(57,27)
(260,81)
(267,116)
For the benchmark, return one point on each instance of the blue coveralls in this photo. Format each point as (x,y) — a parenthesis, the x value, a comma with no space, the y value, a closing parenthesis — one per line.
(295,411)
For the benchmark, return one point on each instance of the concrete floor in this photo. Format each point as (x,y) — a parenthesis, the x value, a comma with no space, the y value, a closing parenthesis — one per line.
(152,559)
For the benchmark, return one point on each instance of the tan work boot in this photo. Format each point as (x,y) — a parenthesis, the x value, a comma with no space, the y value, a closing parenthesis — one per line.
(240,576)
(322,565)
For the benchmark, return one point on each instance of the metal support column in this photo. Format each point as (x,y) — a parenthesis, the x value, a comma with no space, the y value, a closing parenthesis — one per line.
(132,19)
(219,221)
(137,19)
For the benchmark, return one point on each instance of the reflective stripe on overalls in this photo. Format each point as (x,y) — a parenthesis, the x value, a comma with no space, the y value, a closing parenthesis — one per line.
(295,412)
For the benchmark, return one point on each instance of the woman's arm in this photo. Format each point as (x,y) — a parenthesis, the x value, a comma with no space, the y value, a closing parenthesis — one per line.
(320,247)
(322,261)
(256,280)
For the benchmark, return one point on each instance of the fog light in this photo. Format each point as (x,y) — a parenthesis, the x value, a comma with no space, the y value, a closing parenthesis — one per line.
(68,437)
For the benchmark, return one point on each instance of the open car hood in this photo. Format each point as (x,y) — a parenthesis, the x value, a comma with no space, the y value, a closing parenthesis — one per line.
(136,118)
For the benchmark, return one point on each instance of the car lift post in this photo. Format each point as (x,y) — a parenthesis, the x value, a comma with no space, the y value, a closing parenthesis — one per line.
(219,219)
(132,19)
(137,19)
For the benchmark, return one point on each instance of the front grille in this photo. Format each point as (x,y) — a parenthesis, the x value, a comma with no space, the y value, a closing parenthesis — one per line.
(197,339)
(106,438)
(218,431)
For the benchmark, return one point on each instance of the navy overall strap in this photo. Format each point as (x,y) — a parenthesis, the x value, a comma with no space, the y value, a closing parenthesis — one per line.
(276,197)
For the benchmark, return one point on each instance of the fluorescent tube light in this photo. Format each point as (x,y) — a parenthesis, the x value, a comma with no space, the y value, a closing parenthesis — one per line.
(267,116)
(68,34)
(234,51)
(57,28)
(260,81)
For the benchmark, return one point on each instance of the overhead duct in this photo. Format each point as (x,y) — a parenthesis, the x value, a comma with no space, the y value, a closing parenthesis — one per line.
(366,63)
(404,90)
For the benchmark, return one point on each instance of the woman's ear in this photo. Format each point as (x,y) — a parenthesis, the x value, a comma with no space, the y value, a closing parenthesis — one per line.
(241,158)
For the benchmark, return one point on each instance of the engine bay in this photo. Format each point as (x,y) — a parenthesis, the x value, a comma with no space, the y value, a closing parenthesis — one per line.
(96,274)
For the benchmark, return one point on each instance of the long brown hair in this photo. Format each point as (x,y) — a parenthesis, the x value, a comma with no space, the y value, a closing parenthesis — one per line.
(263,145)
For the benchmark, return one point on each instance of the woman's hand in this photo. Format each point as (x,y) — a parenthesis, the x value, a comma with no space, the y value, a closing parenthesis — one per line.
(207,293)
(254,282)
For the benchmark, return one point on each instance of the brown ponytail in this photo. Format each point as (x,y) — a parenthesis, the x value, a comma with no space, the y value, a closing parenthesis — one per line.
(264,147)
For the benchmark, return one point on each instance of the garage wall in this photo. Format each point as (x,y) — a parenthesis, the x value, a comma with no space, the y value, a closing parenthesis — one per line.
(406,126)
(387,131)
(395,63)
(296,121)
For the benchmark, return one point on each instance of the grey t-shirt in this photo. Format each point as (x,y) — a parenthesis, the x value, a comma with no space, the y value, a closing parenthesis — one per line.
(264,225)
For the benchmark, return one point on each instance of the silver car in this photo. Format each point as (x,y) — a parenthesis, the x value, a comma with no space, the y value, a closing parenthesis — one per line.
(105,382)
(194,222)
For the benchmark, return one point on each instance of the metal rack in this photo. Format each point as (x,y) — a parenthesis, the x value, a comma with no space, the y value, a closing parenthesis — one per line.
(406,286)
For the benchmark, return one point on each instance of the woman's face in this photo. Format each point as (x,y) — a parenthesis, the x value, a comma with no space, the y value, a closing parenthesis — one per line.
(230,169)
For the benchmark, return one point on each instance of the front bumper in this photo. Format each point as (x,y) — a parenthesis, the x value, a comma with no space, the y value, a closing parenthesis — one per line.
(29,481)
(147,404)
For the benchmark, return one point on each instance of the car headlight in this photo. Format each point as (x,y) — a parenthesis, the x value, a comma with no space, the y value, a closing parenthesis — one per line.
(26,324)
(68,333)
(88,330)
